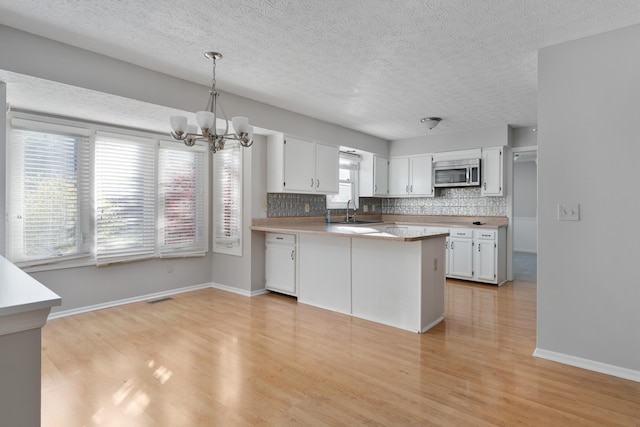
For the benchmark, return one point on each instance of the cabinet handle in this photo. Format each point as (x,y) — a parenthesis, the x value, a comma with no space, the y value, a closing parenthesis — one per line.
(451,245)
(311,182)
(317,183)
(375,188)
(485,186)
(292,255)
(407,189)
(411,188)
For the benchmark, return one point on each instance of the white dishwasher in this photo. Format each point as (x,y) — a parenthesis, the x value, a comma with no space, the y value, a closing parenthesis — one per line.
(280,263)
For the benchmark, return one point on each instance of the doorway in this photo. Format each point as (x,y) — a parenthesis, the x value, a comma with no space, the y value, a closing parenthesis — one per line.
(525,208)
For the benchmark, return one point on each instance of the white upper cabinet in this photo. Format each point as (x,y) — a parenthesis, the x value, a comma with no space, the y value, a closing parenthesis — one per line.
(411,176)
(296,165)
(374,176)
(399,176)
(380,176)
(327,169)
(421,175)
(492,169)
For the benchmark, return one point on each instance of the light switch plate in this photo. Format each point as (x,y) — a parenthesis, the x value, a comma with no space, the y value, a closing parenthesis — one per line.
(569,212)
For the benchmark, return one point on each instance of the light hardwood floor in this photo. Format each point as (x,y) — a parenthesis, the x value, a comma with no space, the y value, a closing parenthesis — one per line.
(211,358)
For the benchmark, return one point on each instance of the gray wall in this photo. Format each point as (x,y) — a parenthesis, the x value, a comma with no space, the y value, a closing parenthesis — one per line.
(435,143)
(524,136)
(525,189)
(62,63)
(3,166)
(588,151)
(246,272)
(79,287)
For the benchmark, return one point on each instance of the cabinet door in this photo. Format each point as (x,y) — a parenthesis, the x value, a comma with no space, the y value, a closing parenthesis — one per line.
(380,176)
(492,169)
(421,179)
(280,268)
(484,260)
(327,169)
(399,176)
(299,165)
(461,257)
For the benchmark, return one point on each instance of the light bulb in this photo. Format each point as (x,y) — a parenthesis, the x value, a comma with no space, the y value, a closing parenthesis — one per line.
(205,119)
(178,123)
(240,124)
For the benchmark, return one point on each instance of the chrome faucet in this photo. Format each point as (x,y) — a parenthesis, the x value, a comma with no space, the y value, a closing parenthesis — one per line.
(351,218)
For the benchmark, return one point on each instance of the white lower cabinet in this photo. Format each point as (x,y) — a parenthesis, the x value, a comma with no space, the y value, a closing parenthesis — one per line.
(485,256)
(280,263)
(460,253)
(477,254)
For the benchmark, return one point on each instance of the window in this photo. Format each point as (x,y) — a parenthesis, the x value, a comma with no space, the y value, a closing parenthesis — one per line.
(125,197)
(49,204)
(101,195)
(182,199)
(227,178)
(348,184)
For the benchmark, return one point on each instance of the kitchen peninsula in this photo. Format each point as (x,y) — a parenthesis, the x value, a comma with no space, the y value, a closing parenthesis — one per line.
(379,272)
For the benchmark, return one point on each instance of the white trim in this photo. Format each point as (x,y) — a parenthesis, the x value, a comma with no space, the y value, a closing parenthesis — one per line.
(591,365)
(239,291)
(110,304)
(147,297)
(432,324)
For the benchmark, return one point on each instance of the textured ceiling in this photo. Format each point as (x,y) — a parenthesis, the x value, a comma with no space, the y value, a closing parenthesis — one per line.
(375,66)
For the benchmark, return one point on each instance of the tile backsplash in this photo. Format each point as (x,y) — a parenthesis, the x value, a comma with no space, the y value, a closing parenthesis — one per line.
(448,201)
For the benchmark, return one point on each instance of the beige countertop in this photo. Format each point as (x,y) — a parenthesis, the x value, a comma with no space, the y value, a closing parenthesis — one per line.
(316,225)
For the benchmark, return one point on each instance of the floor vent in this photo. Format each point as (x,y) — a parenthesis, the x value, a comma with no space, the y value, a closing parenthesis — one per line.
(155,301)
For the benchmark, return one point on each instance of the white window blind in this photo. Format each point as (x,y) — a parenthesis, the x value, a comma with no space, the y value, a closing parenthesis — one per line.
(49,196)
(125,189)
(227,179)
(348,182)
(182,199)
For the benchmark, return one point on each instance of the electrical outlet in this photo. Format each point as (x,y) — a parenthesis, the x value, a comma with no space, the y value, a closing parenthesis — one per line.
(169,268)
(365,208)
(435,264)
(568,212)
(306,207)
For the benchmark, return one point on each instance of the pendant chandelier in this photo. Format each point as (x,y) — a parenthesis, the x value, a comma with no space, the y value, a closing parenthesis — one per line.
(182,131)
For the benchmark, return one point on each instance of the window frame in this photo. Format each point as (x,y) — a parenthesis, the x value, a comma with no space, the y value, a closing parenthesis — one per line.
(351,163)
(91,128)
(15,243)
(223,244)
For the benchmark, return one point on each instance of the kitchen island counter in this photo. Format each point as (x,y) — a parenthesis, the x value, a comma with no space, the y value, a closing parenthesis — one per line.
(385,272)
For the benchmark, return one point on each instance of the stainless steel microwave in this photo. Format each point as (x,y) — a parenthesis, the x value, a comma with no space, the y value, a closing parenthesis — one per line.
(456,173)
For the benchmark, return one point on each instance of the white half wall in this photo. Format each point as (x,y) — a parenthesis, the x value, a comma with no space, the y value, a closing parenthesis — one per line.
(588,151)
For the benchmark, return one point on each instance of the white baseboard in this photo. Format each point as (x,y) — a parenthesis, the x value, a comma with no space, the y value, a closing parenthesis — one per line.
(239,291)
(591,365)
(88,308)
(432,324)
